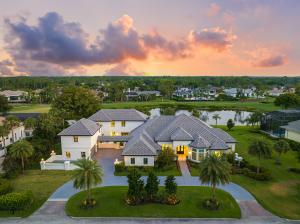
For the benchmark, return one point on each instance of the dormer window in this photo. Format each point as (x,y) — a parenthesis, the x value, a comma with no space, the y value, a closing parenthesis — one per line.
(112,124)
(75,138)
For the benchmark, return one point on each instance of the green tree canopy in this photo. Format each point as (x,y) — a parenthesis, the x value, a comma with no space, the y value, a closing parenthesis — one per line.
(170,185)
(135,186)
(281,146)
(4,106)
(261,149)
(214,171)
(75,103)
(287,100)
(230,124)
(166,87)
(21,150)
(30,123)
(87,175)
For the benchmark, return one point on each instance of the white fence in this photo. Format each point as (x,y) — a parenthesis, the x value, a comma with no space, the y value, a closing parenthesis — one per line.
(56,162)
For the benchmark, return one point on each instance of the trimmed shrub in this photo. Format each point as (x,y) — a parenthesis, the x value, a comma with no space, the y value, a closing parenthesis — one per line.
(5,187)
(120,167)
(16,201)
(294,170)
(250,171)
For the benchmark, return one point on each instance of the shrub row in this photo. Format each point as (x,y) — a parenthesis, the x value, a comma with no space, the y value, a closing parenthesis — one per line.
(16,201)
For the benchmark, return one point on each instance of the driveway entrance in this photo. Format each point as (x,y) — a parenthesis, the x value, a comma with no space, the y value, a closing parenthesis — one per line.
(106,158)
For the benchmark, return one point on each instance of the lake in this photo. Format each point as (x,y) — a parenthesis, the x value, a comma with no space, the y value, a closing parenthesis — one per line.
(238,117)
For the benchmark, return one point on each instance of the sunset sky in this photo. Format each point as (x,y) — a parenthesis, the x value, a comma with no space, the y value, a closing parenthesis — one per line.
(142,37)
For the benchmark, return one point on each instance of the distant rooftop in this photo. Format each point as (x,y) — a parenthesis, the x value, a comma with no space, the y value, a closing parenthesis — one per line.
(118,115)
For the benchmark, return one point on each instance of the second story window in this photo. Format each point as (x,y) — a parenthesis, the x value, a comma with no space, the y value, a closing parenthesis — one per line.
(123,123)
(112,124)
(75,138)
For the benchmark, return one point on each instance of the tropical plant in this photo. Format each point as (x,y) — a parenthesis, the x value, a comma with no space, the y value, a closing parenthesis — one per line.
(11,122)
(287,100)
(135,187)
(30,123)
(165,158)
(21,150)
(214,171)
(151,185)
(281,146)
(87,175)
(261,149)
(216,117)
(196,113)
(254,118)
(230,124)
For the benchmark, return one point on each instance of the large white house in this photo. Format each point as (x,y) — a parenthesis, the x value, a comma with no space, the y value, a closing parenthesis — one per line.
(140,138)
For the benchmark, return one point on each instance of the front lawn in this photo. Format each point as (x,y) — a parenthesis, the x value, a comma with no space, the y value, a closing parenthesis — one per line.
(110,203)
(41,183)
(281,195)
(144,171)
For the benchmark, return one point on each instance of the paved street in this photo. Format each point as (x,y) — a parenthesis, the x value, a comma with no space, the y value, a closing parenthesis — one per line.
(53,210)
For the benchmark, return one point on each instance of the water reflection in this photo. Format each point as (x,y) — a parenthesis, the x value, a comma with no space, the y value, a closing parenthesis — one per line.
(239,117)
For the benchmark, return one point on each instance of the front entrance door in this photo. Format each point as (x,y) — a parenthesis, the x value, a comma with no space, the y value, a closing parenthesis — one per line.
(182,152)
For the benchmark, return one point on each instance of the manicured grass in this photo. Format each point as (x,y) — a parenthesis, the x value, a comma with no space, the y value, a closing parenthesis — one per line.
(281,195)
(145,171)
(30,108)
(212,105)
(41,183)
(267,105)
(110,203)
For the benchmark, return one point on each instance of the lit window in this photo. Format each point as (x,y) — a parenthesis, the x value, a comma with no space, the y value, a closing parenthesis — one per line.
(68,155)
(132,161)
(217,153)
(82,154)
(113,124)
(75,138)
(113,133)
(145,161)
(124,133)
(123,123)
(166,146)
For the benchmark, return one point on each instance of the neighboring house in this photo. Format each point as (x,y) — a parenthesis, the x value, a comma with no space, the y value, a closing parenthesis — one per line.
(15,96)
(271,122)
(275,92)
(136,93)
(233,92)
(79,140)
(185,93)
(249,93)
(187,136)
(292,130)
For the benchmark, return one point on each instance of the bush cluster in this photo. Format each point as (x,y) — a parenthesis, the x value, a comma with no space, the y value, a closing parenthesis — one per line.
(251,171)
(5,187)
(294,169)
(16,201)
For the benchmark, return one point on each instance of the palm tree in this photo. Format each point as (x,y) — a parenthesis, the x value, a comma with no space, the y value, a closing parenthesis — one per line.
(21,150)
(261,149)
(12,122)
(214,171)
(216,117)
(87,175)
(281,146)
(4,131)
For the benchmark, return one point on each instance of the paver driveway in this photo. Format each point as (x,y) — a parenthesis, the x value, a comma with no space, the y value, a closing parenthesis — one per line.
(53,210)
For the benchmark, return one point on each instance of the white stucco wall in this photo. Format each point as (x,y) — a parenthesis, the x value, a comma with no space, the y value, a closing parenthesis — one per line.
(292,135)
(84,144)
(139,160)
(18,132)
(129,126)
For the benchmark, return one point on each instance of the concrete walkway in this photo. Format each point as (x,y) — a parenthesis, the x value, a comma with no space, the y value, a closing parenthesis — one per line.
(184,169)
(53,210)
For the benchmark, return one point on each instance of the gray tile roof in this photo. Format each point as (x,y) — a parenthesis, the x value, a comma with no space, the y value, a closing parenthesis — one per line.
(180,128)
(118,115)
(113,138)
(293,126)
(181,135)
(83,127)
